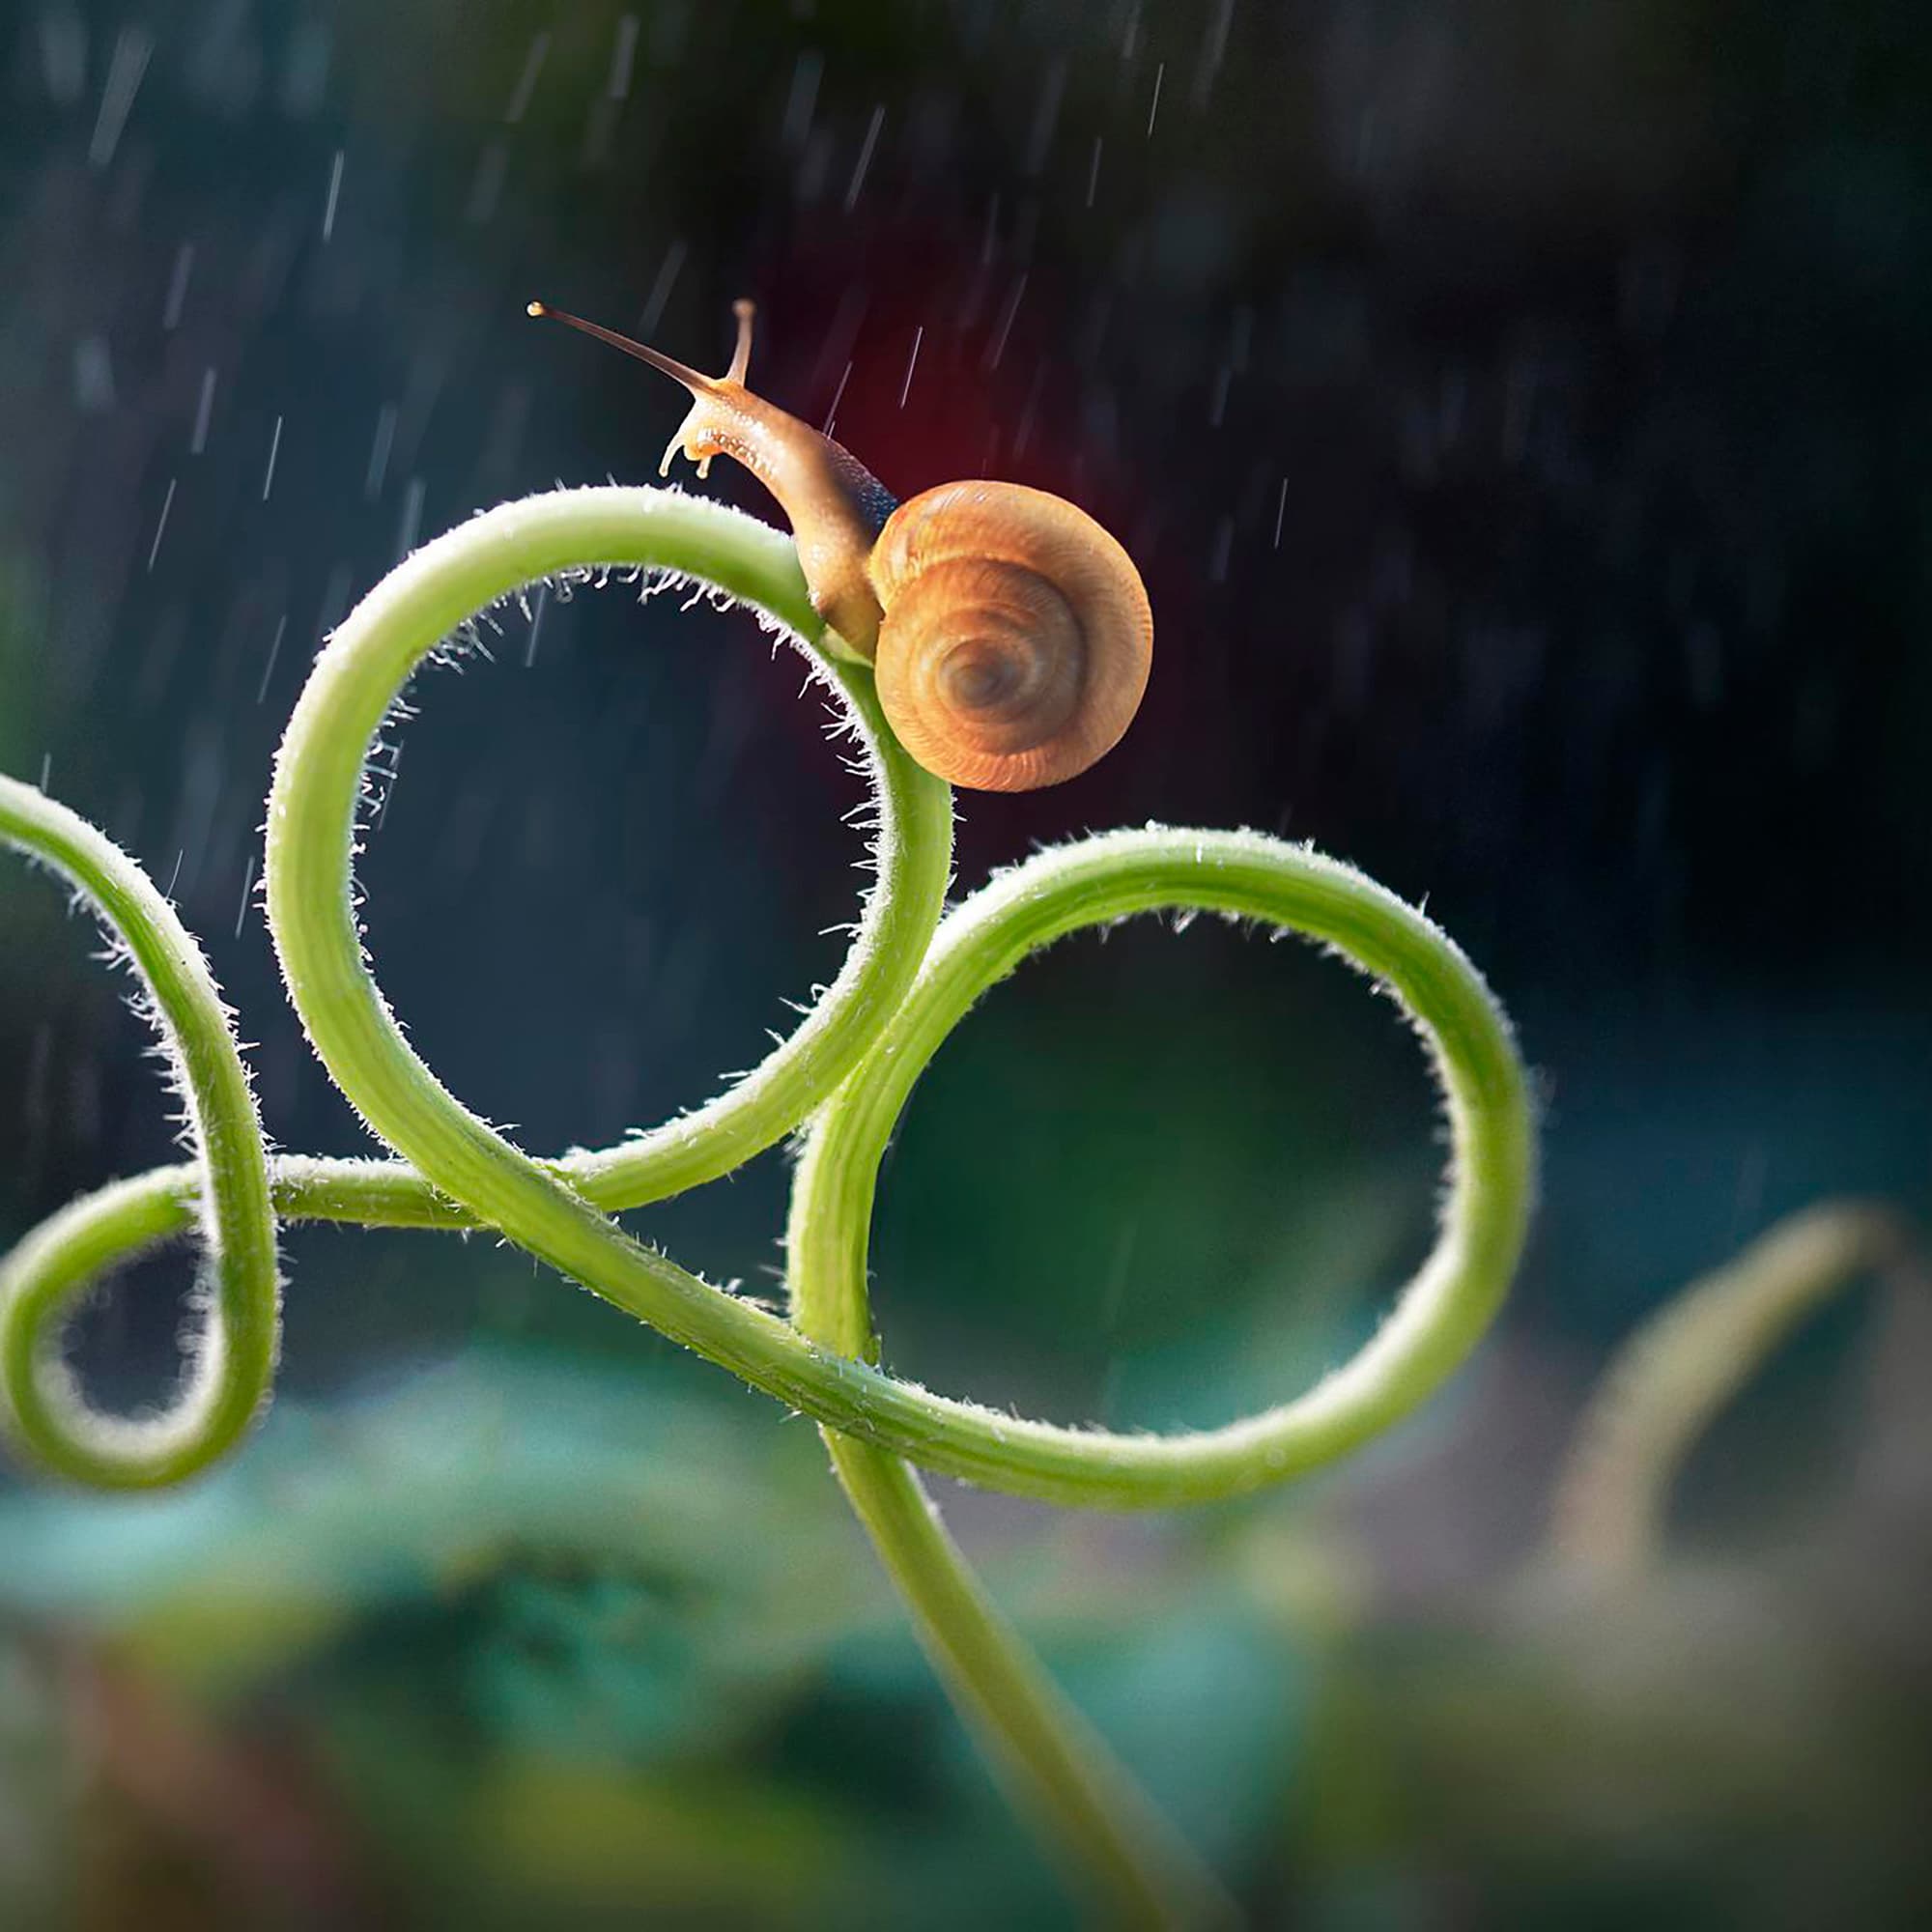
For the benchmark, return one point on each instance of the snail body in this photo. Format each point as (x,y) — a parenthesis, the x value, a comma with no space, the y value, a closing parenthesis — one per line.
(1010,633)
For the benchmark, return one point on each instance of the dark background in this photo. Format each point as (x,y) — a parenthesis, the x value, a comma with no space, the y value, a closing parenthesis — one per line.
(1518,412)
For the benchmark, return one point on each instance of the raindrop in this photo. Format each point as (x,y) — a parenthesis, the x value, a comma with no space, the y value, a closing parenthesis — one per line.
(623,57)
(203,409)
(335,194)
(841,338)
(171,311)
(167,504)
(1023,433)
(247,887)
(1005,323)
(1213,52)
(92,376)
(1241,338)
(599,131)
(536,623)
(871,141)
(275,450)
(838,397)
(379,452)
(492,166)
(132,50)
(802,97)
(1224,545)
(201,794)
(905,387)
(527,80)
(334,600)
(1045,116)
(412,519)
(659,295)
(274,651)
(389,779)
(812,166)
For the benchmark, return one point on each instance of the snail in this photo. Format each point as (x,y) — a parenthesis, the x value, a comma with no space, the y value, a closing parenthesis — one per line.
(1009,632)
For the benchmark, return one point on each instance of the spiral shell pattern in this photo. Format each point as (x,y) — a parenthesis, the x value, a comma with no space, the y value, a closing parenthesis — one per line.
(1016,639)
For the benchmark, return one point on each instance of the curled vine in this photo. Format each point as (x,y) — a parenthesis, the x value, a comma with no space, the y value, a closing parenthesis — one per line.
(843,1075)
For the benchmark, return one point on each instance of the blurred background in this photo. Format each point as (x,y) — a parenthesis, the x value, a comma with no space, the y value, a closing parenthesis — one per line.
(1519,413)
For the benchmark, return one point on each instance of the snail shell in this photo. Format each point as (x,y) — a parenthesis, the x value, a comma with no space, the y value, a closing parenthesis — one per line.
(1016,635)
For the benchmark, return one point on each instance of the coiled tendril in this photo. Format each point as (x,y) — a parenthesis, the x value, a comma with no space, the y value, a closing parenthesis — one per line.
(848,1070)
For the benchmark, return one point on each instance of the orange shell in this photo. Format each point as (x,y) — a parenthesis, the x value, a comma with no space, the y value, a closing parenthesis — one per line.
(1017,637)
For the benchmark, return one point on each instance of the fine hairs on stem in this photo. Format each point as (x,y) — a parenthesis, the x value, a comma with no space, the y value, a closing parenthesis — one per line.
(843,1075)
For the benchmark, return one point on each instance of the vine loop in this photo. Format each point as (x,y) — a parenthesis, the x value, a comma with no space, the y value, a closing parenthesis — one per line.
(848,1070)
(231,1354)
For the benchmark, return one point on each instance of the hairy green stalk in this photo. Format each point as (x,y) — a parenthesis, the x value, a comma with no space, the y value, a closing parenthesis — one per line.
(848,1069)
(232,1354)
(51,1271)
(995,1677)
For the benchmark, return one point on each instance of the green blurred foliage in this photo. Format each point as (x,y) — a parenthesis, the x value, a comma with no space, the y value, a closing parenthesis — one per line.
(527,1640)
(548,1639)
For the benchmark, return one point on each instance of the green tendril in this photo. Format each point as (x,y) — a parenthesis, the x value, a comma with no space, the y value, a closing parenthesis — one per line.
(55,1266)
(848,1070)
(231,1354)
(1437,1317)
(1677,1372)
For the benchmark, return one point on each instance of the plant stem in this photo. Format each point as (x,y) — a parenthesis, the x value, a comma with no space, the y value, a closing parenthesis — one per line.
(1062,1778)
(849,1067)
(1438,1317)
(231,1353)
(1669,1382)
